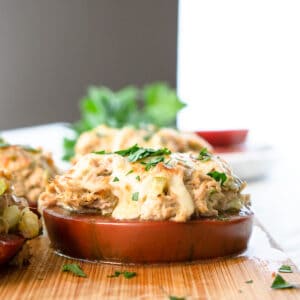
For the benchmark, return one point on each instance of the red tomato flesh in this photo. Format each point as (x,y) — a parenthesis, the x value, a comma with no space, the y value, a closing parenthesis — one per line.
(94,237)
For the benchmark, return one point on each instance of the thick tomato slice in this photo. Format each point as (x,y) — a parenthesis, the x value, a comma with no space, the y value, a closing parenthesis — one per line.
(93,237)
(10,244)
(221,138)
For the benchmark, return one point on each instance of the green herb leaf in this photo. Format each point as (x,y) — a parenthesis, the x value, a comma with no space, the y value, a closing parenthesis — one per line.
(204,155)
(116,274)
(285,269)
(101,152)
(75,269)
(129,275)
(30,149)
(280,283)
(116,179)
(68,145)
(128,151)
(136,153)
(176,298)
(138,178)
(129,172)
(135,196)
(217,176)
(156,103)
(161,104)
(153,162)
(126,274)
(249,281)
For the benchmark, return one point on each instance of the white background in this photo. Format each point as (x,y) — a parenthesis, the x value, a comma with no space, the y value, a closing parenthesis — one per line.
(239,67)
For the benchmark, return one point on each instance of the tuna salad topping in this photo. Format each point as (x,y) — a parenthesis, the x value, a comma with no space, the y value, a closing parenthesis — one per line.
(148,184)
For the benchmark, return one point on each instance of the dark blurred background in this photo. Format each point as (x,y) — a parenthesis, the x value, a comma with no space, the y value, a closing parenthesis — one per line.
(50,51)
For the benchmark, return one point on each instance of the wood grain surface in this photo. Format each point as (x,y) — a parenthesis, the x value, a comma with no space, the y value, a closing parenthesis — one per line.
(214,279)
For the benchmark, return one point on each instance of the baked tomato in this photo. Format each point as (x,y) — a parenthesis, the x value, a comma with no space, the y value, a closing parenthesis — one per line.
(94,237)
(10,244)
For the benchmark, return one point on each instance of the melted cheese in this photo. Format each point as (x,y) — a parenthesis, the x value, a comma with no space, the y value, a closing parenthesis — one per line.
(175,191)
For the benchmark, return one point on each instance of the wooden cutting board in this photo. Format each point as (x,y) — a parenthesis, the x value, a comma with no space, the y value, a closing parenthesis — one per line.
(217,279)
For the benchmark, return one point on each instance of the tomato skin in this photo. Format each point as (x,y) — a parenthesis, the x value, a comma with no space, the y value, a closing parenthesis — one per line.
(221,138)
(93,237)
(10,244)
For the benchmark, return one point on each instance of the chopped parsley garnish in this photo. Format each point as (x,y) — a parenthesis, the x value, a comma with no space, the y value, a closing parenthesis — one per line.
(128,151)
(30,149)
(135,196)
(249,281)
(153,162)
(75,269)
(138,178)
(285,269)
(126,274)
(204,155)
(280,283)
(116,179)
(129,172)
(100,152)
(136,153)
(217,176)
(176,298)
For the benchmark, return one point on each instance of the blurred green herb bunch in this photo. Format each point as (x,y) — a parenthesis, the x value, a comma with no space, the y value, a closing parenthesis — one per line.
(156,103)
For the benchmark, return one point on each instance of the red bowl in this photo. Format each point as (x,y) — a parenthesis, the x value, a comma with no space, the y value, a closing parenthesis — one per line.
(93,237)
(224,137)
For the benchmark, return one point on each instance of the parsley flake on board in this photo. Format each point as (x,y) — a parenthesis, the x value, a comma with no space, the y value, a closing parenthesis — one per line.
(285,269)
(138,178)
(135,196)
(75,269)
(249,281)
(280,283)
(204,155)
(116,179)
(176,298)
(217,176)
(126,274)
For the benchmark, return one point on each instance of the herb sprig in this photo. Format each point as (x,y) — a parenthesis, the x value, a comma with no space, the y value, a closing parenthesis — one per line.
(156,104)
